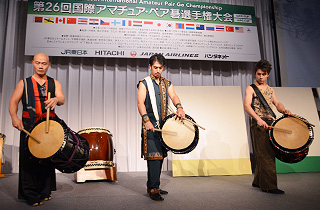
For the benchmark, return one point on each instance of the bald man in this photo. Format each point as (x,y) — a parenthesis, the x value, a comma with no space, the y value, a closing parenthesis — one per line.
(36,181)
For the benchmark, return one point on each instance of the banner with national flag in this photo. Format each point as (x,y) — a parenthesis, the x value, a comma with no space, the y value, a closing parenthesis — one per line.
(180,25)
(93,21)
(186,11)
(148,23)
(49,20)
(199,27)
(219,28)
(38,19)
(104,22)
(190,26)
(136,29)
(137,23)
(229,29)
(83,21)
(210,28)
(239,29)
(71,20)
(60,20)
(170,25)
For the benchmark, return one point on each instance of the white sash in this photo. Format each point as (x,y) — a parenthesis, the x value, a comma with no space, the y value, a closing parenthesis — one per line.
(152,96)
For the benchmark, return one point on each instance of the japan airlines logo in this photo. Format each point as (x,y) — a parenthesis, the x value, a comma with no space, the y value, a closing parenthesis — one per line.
(133,53)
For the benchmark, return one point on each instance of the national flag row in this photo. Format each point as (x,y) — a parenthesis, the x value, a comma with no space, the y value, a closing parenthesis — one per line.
(139,23)
(192,26)
(91,21)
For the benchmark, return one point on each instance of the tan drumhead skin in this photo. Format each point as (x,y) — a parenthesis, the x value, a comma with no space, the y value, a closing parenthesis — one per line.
(294,140)
(50,142)
(182,133)
(94,129)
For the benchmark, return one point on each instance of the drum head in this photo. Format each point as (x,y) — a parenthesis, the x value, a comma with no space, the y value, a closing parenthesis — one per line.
(179,135)
(299,136)
(50,142)
(93,130)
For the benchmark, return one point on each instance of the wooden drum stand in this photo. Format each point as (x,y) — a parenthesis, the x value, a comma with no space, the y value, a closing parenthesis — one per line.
(96,174)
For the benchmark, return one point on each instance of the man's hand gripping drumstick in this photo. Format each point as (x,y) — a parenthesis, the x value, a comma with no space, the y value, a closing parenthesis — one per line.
(305,121)
(183,118)
(32,137)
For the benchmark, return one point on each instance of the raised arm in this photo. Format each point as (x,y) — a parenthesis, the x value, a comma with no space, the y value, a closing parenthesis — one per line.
(58,99)
(175,100)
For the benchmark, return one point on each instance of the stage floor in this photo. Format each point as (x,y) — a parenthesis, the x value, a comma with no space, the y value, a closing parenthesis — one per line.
(302,191)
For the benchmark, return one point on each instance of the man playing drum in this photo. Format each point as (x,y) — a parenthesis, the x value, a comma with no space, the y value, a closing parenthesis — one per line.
(35,180)
(152,101)
(265,176)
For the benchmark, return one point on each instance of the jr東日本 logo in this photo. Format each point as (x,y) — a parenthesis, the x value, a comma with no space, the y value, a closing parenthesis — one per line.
(74,52)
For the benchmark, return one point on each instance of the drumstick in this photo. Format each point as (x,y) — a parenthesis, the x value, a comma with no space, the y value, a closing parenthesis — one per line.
(34,138)
(280,129)
(301,119)
(165,131)
(186,119)
(48,114)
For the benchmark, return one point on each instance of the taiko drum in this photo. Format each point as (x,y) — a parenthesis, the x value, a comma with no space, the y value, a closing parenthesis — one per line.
(101,147)
(292,146)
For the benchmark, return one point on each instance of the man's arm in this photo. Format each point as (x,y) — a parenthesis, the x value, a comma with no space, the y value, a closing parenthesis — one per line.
(141,97)
(175,100)
(58,99)
(247,107)
(13,106)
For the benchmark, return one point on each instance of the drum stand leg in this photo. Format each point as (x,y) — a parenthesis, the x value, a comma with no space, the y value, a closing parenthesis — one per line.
(99,174)
(1,175)
(1,145)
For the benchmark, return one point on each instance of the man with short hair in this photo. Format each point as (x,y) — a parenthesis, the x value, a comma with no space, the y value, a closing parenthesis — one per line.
(152,101)
(265,176)
(36,181)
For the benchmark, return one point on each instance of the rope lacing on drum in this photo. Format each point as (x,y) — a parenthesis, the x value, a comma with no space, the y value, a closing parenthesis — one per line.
(73,153)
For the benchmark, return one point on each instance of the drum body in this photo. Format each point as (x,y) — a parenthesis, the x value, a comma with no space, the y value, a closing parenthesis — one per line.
(60,147)
(101,147)
(291,147)
(179,137)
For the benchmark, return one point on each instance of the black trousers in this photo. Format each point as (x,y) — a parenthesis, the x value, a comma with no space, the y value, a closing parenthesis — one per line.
(265,174)
(154,172)
(36,181)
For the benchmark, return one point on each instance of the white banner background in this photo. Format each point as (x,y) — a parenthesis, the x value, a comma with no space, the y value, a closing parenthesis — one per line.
(90,36)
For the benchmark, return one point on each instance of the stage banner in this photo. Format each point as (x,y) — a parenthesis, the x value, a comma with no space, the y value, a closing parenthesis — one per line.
(138,29)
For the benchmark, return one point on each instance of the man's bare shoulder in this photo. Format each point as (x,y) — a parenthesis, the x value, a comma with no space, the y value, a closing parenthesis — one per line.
(20,84)
(272,90)
(249,89)
(56,82)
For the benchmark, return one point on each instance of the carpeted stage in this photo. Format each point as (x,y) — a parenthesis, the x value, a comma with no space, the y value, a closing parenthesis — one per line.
(302,191)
